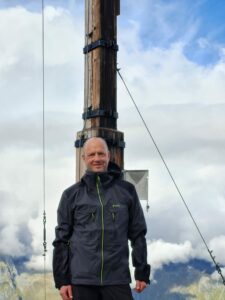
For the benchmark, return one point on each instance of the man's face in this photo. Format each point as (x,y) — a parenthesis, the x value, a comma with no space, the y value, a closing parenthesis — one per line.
(96,155)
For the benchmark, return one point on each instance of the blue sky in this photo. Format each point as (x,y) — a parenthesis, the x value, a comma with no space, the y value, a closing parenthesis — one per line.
(178,16)
(171,21)
(172,56)
(186,21)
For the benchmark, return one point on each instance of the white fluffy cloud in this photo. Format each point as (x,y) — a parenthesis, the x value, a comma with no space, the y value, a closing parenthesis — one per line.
(161,252)
(21,124)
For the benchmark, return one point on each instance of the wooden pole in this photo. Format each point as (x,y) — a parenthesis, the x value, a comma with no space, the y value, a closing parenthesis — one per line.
(100,83)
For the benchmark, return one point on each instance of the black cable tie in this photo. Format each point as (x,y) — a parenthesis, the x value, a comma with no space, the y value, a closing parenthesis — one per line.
(110,44)
(99,113)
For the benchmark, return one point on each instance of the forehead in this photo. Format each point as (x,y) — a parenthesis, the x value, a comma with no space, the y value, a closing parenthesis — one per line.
(95,145)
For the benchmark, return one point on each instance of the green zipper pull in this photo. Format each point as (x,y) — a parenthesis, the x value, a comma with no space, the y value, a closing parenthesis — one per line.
(113,216)
(115,205)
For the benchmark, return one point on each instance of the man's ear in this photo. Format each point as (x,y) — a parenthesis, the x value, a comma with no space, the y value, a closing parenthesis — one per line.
(109,155)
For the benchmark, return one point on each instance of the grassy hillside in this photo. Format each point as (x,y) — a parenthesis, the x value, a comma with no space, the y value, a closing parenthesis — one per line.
(203,289)
(31,286)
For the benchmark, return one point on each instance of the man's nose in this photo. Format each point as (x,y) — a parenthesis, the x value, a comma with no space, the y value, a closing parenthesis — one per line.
(97,156)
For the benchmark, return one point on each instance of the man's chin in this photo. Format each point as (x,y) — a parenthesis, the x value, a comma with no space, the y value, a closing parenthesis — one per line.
(98,169)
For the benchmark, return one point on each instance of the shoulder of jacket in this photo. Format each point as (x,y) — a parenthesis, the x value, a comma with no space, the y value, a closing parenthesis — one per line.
(125,184)
(73,189)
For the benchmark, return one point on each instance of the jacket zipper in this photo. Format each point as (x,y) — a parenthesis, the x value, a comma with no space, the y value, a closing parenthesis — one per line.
(102,241)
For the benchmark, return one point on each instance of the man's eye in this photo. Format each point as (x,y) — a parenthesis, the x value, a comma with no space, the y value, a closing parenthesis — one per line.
(101,154)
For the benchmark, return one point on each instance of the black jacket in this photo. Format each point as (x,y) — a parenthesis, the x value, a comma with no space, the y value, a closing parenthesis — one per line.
(96,217)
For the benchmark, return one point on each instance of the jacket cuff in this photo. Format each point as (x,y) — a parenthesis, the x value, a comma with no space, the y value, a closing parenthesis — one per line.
(143,274)
(60,283)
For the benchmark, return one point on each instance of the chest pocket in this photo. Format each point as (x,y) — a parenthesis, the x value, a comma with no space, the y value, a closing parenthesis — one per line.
(118,214)
(85,216)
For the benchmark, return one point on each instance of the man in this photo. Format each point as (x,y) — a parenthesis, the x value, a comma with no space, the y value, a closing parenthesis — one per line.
(96,217)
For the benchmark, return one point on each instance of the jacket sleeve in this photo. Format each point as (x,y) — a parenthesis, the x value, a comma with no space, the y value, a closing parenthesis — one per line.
(136,234)
(61,257)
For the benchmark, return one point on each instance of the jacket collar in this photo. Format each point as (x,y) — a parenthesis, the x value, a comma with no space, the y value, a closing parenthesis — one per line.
(106,178)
